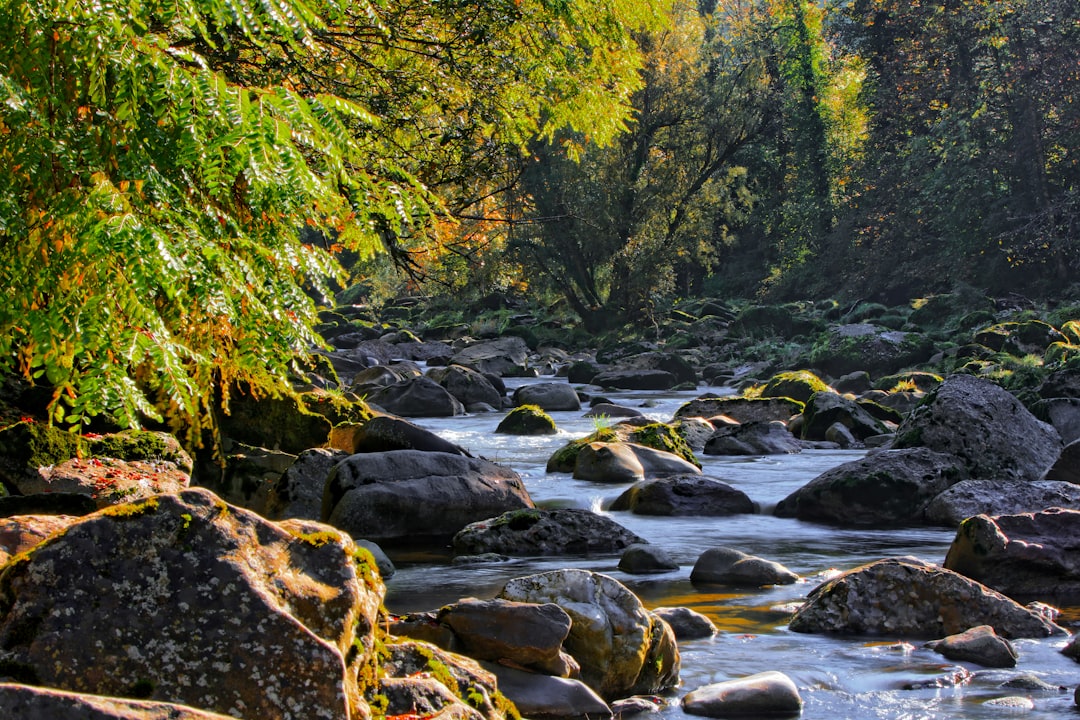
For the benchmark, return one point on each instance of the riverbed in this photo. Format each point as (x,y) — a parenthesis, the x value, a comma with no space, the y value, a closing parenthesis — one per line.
(838,677)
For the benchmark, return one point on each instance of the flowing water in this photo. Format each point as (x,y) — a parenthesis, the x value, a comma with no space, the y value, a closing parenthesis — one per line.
(838,677)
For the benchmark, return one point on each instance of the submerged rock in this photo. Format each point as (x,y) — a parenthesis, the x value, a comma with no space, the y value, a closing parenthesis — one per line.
(686,623)
(753,438)
(627,462)
(980,645)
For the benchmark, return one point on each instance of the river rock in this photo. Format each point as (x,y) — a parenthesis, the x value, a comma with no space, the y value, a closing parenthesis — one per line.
(423,696)
(636,379)
(766,694)
(642,559)
(608,410)
(727,566)
(753,438)
(26,701)
(827,408)
(417,397)
(467,385)
(627,462)
(281,423)
(383,433)
(985,426)
(684,495)
(411,494)
(1067,467)
(195,602)
(980,645)
(622,648)
(534,532)
(992,497)
(677,365)
(863,346)
(891,487)
(1063,414)
(411,672)
(527,420)
(107,481)
(798,385)
(544,697)
(22,532)
(1025,555)
(697,431)
(905,597)
(505,357)
(742,409)
(528,635)
(550,396)
(687,624)
(298,493)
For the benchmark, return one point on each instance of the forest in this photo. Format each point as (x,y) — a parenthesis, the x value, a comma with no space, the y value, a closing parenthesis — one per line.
(188,183)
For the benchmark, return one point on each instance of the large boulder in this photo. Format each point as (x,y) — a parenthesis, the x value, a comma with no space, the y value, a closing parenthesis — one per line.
(628,462)
(753,438)
(1067,467)
(385,432)
(410,494)
(281,423)
(905,597)
(622,648)
(527,420)
(767,694)
(559,531)
(467,385)
(999,497)
(27,701)
(985,426)
(741,409)
(544,697)
(1063,414)
(826,408)
(797,384)
(195,602)
(636,379)
(504,357)
(550,396)
(685,495)
(892,487)
(107,481)
(417,397)
(727,566)
(1030,555)
(298,493)
(863,346)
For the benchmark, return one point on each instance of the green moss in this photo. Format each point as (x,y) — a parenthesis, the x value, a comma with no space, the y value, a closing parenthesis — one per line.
(134,445)
(131,509)
(527,420)
(563,459)
(337,408)
(29,445)
(661,436)
(795,384)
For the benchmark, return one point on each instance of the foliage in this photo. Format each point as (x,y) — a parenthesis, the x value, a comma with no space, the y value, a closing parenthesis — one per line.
(162,159)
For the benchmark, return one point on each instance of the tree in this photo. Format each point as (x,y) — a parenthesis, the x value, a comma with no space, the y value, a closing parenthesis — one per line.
(611,229)
(163,156)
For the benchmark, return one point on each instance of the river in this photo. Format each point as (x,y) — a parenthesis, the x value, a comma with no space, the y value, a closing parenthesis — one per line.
(838,677)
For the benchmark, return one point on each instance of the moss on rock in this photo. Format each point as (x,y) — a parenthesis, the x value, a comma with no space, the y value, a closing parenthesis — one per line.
(527,420)
(26,446)
(661,436)
(564,459)
(795,384)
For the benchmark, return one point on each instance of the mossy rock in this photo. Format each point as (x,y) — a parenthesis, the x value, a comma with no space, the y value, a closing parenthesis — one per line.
(866,311)
(140,445)
(337,408)
(26,446)
(281,423)
(774,321)
(847,348)
(661,436)
(564,459)
(948,310)
(1060,353)
(922,381)
(527,420)
(1019,338)
(795,384)
(1071,330)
